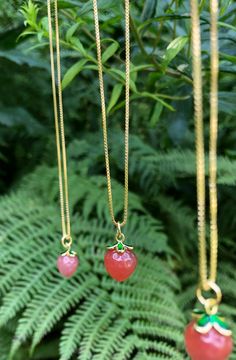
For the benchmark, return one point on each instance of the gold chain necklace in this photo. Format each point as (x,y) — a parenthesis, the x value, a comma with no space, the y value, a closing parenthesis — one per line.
(104,117)
(119,253)
(206,282)
(68,262)
(209,323)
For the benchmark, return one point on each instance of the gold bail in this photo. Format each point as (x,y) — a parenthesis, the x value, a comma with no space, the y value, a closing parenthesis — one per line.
(120,237)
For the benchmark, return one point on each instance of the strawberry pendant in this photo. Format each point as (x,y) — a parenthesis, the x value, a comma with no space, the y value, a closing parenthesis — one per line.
(120,261)
(67,264)
(208,337)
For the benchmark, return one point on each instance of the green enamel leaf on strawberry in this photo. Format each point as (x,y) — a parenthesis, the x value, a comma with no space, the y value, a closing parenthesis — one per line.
(205,322)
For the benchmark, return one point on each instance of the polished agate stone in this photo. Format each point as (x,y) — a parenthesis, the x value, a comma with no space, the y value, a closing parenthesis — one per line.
(120,265)
(209,346)
(67,265)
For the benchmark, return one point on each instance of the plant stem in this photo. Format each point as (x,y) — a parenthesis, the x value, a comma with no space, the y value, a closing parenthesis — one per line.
(168,71)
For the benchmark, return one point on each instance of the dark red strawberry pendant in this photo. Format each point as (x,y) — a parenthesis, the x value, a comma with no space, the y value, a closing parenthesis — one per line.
(208,337)
(120,261)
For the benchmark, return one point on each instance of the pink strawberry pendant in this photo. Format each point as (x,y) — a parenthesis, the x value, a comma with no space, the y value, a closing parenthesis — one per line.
(67,264)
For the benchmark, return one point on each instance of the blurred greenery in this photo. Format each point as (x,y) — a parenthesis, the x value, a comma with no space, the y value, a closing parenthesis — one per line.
(43,316)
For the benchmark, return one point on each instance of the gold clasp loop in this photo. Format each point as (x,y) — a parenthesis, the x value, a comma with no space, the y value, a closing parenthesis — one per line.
(66,241)
(210,304)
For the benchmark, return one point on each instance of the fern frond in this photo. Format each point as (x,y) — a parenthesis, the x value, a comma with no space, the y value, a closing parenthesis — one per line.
(177,163)
(78,323)
(66,297)
(163,332)
(22,262)
(21,293)
(92,334)
(126,350)
(161,348)
(111,339)
(93,322)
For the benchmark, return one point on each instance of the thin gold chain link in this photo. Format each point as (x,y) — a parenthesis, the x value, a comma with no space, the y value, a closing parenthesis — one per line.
(213,140)
(104,116)
(199,129)
(59,121)
(200,156)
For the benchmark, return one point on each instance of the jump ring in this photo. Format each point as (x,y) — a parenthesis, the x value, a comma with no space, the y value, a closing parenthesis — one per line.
(120,236)
(66,241)
(210,304)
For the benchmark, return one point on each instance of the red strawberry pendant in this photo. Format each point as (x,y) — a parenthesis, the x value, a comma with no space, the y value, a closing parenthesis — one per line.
(120,261)
(208,338)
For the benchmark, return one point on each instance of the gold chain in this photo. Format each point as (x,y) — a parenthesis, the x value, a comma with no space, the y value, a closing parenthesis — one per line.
(104,116)
(200,156)
(59,126)
(213,139)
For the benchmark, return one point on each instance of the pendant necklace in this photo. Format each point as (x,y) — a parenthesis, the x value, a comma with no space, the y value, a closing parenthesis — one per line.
(120,261)
(208,336)
(67,262)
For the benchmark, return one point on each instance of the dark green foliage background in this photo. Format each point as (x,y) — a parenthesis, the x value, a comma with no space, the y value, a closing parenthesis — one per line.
(43,316)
